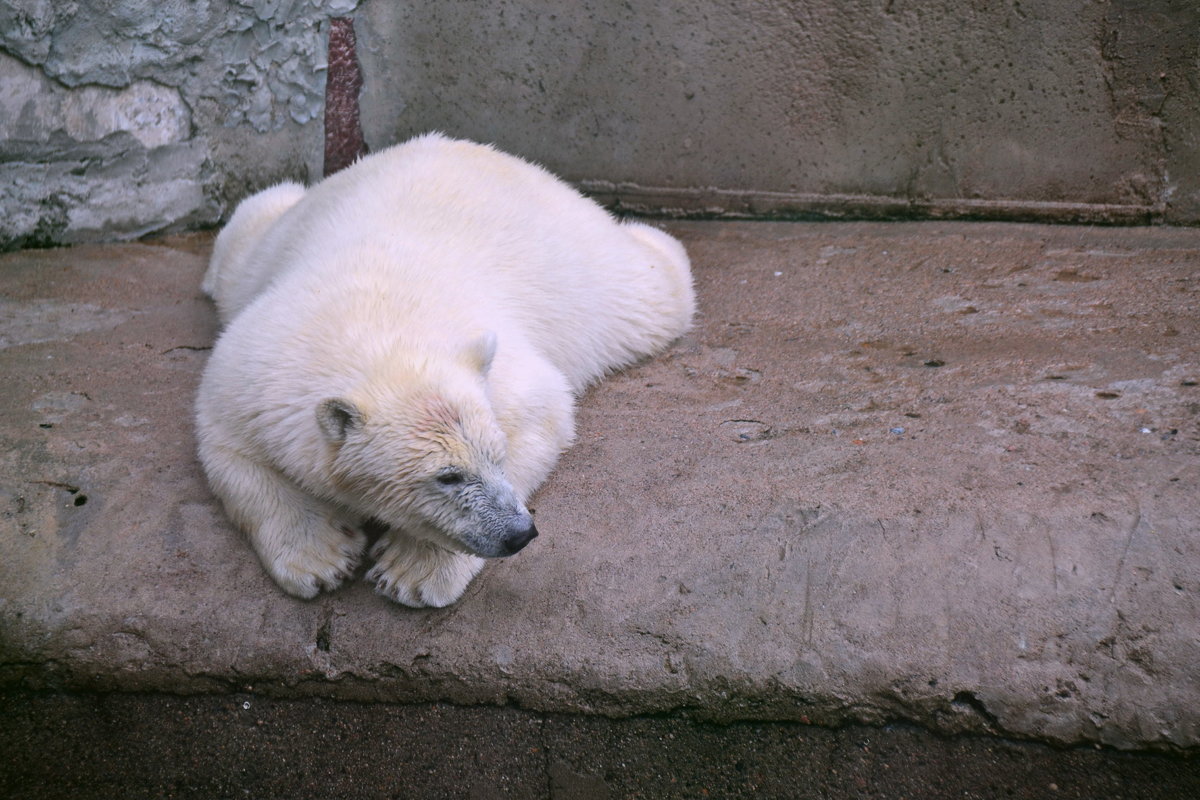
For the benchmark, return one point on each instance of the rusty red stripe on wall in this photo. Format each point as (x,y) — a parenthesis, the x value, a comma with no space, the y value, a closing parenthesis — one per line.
(343,130)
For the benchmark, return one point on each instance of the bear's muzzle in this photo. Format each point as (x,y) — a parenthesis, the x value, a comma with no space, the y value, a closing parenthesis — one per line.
(517,536)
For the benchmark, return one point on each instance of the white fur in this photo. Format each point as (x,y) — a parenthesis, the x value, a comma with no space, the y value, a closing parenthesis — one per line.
(232,279)
(431,311)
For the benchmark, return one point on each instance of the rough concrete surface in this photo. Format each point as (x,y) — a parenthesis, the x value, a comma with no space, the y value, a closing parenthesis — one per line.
(940,472)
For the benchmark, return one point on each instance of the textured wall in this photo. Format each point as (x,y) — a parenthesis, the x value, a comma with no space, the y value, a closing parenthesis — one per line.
(121,117)
(124,117)
(1043,109)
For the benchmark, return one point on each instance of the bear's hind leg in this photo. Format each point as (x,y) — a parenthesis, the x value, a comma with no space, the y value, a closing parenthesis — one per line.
(231,280)
(305,544)
(674,298)
(418,573)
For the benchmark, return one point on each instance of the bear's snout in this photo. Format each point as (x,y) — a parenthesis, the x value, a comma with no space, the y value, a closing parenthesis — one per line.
(517,537)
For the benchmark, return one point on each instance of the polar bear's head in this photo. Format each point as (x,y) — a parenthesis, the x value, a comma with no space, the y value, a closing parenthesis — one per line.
(418,448)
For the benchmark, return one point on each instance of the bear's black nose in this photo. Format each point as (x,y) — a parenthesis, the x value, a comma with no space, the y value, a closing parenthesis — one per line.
(516,538)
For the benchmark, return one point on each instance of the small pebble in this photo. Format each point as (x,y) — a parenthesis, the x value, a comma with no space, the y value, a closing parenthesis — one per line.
(898,431)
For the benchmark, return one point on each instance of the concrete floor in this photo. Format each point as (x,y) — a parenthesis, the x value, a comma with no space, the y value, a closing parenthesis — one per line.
(944,473)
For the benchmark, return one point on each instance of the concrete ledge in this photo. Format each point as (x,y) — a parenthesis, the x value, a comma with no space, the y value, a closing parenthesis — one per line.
(941,472)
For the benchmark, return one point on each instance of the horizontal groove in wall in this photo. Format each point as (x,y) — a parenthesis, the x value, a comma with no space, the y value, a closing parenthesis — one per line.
(713,203)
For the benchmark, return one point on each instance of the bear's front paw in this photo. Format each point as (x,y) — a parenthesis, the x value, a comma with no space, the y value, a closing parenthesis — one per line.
(419,574)
(304,566)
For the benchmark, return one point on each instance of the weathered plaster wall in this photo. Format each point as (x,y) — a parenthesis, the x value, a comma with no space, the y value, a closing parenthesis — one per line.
(1151,55)
(122,117)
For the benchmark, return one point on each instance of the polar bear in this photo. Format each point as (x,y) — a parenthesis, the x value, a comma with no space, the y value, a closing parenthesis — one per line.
(404,343)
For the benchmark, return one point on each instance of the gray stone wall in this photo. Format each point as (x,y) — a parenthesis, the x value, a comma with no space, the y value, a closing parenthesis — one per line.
(120,118)
(125,117)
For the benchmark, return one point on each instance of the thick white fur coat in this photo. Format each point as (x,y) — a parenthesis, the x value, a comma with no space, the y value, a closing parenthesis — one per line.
(404,342)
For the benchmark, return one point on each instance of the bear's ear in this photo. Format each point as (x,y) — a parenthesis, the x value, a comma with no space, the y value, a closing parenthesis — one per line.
(480,352)
(337,418)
